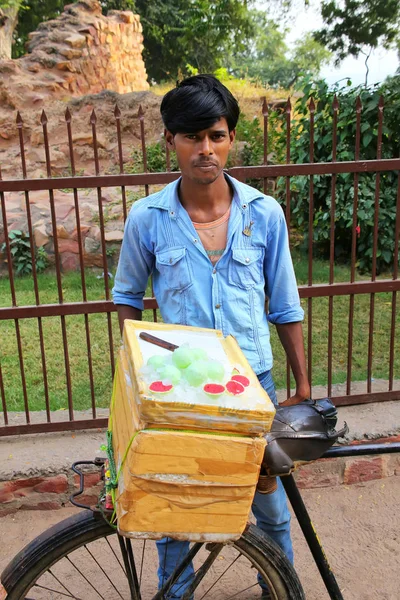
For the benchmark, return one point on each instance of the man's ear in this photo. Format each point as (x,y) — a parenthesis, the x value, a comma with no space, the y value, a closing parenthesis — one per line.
(232,135)
(169,138)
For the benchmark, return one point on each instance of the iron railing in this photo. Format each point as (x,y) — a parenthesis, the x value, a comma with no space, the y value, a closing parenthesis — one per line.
(86,307)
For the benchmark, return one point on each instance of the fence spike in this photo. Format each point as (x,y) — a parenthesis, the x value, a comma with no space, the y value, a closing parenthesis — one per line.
(68,116)
(358,104)
(140,113)
(93,117)
(43,118)
(288,107)
(311,105)
(335,103)
(117,112)
(19,120)
(381,102)
(265,107)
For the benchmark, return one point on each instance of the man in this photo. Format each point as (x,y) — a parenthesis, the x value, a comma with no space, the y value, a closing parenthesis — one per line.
(217,250)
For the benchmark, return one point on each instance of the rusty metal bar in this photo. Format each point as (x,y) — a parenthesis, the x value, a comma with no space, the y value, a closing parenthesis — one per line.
(365,398)
(117,115)
(43,121)
(288,111)
(265,115)
(14,303)
(375,245)
(353,248)
(103,306)
(93,120)
(3,398)
(79,425)
(310,242)
(394,295)
(19,122)
(242,173)
(68,120)
(143,142)
(335,107)
(146,187)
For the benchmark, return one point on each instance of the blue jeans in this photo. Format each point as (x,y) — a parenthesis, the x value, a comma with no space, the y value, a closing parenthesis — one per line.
(270,510)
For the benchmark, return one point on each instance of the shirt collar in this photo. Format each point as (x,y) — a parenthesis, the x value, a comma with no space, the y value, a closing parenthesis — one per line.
(168,199)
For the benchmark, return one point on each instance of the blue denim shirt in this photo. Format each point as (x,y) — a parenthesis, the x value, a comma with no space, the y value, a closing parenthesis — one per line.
(161,240)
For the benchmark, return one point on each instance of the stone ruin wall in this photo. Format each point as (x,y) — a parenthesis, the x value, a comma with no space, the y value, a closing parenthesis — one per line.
(81,52)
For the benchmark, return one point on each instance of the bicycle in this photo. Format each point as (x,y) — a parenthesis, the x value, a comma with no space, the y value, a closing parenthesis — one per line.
(84,557)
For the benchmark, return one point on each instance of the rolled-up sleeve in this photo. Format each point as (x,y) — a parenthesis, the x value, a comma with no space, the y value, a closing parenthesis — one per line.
(134,267)
(281,287)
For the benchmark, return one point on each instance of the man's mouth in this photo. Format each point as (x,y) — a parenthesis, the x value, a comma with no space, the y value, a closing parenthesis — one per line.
(205,166)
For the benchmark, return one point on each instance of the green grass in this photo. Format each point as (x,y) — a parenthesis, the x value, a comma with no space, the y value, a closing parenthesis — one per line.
(100,350)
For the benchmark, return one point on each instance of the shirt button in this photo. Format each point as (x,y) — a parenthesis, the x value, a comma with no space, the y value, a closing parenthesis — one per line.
(217,306)
(247,260)
(172,213)
(195,241)
(244,205)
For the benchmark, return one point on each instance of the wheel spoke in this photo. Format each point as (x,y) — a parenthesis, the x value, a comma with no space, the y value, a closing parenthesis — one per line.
(103,571)
(85,578)
(62,585)
(220,577)
(116,556)
(43,587)
(242,591)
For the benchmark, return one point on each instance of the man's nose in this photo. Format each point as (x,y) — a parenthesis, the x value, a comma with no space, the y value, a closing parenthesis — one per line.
(205,146)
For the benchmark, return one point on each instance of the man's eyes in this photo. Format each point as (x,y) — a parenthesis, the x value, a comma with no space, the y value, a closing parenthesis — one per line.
(215,136)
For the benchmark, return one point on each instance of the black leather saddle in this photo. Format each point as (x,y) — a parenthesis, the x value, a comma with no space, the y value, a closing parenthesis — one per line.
(300,433)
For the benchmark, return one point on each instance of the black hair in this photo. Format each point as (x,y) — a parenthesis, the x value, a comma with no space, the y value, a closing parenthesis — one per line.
(196,103)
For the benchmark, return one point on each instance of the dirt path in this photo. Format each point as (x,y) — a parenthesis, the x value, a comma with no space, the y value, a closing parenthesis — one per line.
(358,525)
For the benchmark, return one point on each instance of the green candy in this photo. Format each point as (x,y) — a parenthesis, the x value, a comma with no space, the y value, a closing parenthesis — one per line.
(196,373)
(172,374)
(199,354)
(156,361)
(215,371)
(182,357)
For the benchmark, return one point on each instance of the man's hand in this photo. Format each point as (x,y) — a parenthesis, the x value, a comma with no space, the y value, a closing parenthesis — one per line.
(291,337)
(296,399)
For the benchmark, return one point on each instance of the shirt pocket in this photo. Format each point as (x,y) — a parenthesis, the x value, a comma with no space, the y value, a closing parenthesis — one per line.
(173,266)
(245,267)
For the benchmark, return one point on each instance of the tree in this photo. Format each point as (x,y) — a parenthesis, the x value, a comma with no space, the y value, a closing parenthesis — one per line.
(355,27)
(8,20)
(268,59)
(199,33)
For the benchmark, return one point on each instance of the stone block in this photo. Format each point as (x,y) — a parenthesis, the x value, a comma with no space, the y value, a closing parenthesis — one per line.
(76,40)
(91,479)
(68,245)
(65,65)
(69,261)
(324,473)
(53,485)
(358,470)
(91,246)
(114,236)
(62,233)
(40,235)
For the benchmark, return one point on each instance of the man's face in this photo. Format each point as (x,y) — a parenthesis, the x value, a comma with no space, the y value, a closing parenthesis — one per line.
(202,156)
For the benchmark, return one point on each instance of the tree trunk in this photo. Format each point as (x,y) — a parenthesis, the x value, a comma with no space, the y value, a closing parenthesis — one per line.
(8,22)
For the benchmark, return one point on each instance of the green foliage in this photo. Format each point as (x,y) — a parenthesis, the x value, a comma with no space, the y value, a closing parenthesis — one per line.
(250,133)
(31,14)
(156,159)
(200,33)
(355,25)
(267,59)
(20,249)
(346,134)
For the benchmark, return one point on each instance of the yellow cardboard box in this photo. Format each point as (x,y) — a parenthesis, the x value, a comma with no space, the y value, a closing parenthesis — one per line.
(187,485)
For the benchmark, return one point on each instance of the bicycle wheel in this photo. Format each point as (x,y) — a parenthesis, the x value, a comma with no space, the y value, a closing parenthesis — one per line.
(81,558)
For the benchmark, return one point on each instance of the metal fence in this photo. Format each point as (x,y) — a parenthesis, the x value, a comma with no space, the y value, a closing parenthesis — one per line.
(62,309)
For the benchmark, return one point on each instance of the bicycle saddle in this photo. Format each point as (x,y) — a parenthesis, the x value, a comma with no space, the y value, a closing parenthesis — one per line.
(300,433)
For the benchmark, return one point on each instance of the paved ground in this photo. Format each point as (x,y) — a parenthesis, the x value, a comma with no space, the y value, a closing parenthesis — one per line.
(358,526)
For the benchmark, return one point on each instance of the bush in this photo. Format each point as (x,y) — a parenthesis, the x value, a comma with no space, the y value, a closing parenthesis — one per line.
(156,159)
(21,253)
(346,135)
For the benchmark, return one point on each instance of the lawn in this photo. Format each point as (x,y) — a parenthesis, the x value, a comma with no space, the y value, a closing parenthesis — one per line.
(100,350)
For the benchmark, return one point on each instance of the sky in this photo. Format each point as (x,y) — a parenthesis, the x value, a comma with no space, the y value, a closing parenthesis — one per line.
(381,62)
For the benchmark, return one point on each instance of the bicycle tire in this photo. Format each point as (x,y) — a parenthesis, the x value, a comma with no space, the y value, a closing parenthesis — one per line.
(58,542)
